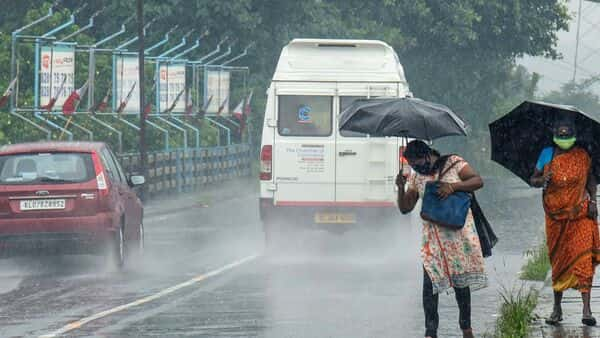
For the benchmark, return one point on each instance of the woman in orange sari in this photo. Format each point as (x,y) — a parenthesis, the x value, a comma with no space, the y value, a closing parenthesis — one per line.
(569,198)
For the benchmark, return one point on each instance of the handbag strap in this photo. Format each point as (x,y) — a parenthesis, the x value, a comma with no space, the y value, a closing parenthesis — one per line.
(443,173)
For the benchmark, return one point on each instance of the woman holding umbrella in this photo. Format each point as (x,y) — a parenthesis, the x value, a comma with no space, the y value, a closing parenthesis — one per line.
(569,198)
(451,258)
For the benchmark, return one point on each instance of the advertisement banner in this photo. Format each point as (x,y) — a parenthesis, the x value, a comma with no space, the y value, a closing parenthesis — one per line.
(126,78)
(224,93)
(57,74)
(172,88)
(217,87)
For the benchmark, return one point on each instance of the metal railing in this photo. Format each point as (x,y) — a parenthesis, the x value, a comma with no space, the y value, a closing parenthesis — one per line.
(187,170)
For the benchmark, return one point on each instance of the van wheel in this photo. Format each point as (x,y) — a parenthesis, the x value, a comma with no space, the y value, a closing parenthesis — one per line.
(118,249)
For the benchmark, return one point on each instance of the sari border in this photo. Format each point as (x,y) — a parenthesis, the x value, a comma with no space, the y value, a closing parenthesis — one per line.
(574,261)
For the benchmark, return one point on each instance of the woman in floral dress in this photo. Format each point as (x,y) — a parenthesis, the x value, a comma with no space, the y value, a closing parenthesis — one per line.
(451,258)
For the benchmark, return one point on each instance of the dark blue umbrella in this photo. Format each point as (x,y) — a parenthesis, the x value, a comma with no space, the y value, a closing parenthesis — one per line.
(402,117)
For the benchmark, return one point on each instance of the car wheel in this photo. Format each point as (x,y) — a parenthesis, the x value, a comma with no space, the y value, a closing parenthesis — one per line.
(141,239)
(139,243)
(118,248)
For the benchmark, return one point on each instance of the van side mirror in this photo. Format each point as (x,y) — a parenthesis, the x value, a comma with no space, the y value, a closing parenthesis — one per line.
(136,180)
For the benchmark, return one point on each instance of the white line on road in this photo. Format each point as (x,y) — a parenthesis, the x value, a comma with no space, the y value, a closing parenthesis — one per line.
(78,324)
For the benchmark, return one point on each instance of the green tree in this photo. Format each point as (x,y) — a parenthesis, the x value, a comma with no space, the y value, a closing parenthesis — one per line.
(460,53)
(578,94)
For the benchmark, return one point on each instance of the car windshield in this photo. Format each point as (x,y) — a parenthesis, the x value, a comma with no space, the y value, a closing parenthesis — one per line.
(53,168)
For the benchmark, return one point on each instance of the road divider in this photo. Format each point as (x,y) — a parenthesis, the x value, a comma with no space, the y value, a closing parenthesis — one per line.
(81,322)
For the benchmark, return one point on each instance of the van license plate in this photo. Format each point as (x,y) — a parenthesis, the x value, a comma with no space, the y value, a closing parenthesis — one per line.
(55,204)
(334,218)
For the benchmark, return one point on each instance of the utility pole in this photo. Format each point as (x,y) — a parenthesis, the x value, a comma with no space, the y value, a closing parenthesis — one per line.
(577,42)
(142,146)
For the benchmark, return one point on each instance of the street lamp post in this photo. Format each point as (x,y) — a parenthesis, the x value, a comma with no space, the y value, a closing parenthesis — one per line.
(142,146)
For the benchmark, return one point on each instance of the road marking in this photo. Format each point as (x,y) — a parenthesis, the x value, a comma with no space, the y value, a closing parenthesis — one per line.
(78,324)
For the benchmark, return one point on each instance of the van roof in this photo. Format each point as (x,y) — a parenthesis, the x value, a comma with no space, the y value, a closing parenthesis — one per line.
(339,61)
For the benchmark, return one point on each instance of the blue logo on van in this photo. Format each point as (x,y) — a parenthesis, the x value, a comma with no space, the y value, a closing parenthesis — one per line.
(304,114)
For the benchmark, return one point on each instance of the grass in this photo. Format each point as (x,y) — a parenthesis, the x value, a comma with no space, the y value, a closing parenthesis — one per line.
(537,265)
(516,312)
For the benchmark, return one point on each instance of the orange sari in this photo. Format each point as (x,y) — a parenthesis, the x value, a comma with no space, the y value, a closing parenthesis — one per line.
(572,238)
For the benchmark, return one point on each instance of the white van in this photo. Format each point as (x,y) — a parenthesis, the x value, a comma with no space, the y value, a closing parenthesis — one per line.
(311,173)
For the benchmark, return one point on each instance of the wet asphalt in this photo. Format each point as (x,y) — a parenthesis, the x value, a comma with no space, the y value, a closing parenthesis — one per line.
(361,283)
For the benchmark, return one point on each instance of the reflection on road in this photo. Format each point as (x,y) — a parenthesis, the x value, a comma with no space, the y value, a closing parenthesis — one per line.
(319,285)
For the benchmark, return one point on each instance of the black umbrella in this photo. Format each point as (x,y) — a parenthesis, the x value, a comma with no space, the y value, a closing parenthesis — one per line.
(405,117)
(414,118)
(519,137)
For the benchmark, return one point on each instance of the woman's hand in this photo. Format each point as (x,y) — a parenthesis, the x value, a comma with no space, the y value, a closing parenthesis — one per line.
(540,180)
(547,177)
(444,190)
(400,181)
(592,210)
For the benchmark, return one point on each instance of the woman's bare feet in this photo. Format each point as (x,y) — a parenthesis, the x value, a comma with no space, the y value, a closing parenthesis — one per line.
(556,317)
(588,320)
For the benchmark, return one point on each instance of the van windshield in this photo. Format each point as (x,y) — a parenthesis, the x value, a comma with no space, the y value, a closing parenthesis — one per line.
(46,168)
(303,115)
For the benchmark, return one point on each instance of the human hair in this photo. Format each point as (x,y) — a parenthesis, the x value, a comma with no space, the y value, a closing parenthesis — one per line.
(418,149)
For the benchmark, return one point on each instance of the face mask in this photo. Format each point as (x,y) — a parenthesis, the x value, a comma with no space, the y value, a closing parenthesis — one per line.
(423,169)
(564,143)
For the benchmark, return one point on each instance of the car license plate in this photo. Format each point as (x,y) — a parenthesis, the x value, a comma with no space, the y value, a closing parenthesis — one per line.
(51,204)
(335,218)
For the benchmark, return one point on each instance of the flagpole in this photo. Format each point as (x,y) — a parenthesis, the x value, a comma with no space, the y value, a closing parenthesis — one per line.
(79,92)
(65,127)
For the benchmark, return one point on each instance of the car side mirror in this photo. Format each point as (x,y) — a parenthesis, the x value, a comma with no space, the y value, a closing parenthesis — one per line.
(136,180)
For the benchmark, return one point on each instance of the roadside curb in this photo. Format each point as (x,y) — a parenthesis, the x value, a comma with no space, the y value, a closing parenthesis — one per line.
(571,326)
(539,312)
(536,286)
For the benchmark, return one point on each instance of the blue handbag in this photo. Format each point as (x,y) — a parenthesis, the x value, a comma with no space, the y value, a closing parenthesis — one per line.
(450,212)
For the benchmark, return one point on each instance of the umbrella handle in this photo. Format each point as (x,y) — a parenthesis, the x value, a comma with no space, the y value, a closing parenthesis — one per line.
(402,165)
(404,138)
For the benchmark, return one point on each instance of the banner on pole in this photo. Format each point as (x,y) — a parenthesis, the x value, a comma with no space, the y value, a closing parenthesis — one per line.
(57,66)
(126,78)
(217,87)
(172,83)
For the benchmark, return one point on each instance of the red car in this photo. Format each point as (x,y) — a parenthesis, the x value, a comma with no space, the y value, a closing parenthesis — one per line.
(68,197)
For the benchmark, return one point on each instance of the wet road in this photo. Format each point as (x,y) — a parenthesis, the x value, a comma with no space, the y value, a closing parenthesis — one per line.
(322,285)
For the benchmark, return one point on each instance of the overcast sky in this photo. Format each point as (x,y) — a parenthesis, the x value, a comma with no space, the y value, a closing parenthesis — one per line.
(554,73)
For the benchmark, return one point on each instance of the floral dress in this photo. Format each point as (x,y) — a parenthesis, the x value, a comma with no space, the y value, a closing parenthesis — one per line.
(451,258)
